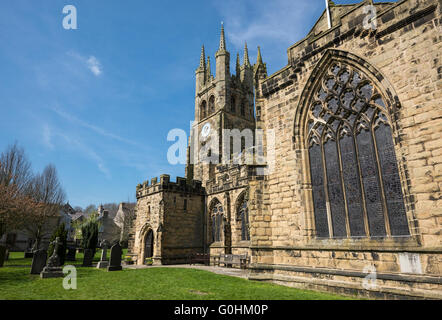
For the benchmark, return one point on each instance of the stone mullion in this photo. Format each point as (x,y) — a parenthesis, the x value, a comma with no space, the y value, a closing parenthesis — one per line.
(327,199)
(344,193)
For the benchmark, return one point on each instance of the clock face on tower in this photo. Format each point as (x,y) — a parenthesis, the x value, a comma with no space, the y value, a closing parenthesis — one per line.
(205,131)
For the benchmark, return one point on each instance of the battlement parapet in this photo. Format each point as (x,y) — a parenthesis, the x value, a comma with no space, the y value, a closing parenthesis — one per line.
(164,184)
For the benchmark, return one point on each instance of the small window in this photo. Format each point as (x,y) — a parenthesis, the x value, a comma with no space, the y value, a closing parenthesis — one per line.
(203,110)
(243,109)
(233,104)
(185,204)
(211,105)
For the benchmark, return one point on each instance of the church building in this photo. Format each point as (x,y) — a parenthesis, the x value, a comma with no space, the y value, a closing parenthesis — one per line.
(353,203)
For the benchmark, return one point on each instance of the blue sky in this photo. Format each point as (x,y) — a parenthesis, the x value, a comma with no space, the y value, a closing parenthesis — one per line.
(99,101)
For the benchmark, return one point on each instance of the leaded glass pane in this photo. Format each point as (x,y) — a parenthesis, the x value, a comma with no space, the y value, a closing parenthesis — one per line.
(335,194)
(392,184)
(317,174)
(370,180)
(352,186)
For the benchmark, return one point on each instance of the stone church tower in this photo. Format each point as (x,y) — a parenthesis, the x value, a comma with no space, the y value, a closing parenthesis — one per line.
(222,102)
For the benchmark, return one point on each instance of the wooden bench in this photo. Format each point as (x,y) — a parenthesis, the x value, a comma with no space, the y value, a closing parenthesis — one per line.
(233,259)
(199,258)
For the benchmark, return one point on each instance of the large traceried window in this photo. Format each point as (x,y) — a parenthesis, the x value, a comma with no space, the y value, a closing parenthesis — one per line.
(355,180)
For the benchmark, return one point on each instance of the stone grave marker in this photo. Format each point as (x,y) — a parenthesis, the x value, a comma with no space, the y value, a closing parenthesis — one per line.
(2,255)
(53,269)
(70,256)
(104,263)
(28,252)
(115,258)
(88,257)
(39,261)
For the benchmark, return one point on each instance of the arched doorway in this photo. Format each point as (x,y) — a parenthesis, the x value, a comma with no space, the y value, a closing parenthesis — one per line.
(148,245)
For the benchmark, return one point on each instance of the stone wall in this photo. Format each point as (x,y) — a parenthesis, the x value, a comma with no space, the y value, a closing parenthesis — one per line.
(174,212)
(404,54)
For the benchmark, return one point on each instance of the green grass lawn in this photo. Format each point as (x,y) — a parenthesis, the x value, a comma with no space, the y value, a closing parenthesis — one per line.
(150,283)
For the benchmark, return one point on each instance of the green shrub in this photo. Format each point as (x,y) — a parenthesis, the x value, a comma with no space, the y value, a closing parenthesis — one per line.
(89,232)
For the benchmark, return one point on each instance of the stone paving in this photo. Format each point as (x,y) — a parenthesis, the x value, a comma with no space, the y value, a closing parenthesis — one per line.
(234,272)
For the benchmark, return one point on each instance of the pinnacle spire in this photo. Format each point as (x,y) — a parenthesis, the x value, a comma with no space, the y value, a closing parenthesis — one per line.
(246,56)
(208,72)
(238,64)
(222,40)
(259,58)
(202,65)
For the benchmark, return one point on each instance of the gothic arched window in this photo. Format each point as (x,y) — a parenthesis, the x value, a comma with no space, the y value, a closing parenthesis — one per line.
(232,104)
(203,110)
(243,216)
(211,105)
(356,186)
(217,218)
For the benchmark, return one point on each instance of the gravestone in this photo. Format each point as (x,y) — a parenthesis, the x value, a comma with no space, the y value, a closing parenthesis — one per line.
(28,252)
(53,269)
(70,256)
(88,257)
(2,255)
(104,263)
(39,261)
(115,258)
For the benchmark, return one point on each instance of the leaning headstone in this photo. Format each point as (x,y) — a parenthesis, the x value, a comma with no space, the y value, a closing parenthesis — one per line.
(88,257)
(28,252)
(70,256)
(39,261)
(115,258)
(104,263)
(2,255)
(53,269)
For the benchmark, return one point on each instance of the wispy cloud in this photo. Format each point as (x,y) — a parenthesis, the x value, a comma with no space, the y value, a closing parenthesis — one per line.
(88,152)
(94,65)
(73,119)
(47,137)
(282,21)
(91,62)
(52,135)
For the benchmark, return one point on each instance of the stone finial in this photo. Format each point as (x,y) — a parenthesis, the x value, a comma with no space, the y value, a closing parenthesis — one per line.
(202,65)
(222,40)
(259,57)
(238,65)
(208,71)
(246,56)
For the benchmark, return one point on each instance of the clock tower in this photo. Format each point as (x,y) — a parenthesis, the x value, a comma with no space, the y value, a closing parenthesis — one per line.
(223,101)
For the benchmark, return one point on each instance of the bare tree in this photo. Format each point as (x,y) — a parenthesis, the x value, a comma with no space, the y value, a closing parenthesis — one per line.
(47,191)
(15,182)
(90,209)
